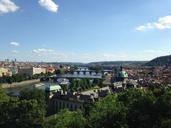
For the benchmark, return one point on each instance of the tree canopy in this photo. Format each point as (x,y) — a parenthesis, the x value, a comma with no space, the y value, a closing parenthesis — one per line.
(66,119)
(132,108)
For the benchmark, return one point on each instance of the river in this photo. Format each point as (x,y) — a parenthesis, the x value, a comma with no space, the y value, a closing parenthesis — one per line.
(16,91)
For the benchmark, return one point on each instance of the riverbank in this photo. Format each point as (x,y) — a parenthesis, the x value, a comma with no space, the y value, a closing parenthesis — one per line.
(20,84)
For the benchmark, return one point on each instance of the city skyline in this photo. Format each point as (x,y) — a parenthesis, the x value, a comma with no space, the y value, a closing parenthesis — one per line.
(84,31)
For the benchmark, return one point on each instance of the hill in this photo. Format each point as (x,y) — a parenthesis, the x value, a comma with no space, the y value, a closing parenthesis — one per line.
(160,61)
(118,63)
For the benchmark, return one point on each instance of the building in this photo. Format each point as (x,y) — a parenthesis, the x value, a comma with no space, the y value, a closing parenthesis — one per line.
(73,101)
(62,101)
(53,87)
(31,70)
(38,70)
(63,81)
(5,72)
(121,75)
(50,69)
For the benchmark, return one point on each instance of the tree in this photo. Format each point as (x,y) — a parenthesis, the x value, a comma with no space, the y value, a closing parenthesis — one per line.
(66,119)
(140,112)
(146,108)
(162,109)
(3,96)
(17,113)
(57,72)
(9,80)
(98,82)
(97,68)
(165,123)
(85,83)
(64,88)
(25,112)
(35,94)
(129,96)
(108,113)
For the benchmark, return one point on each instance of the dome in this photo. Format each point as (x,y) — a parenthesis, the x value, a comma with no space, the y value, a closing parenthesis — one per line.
(123,74)
(53,87)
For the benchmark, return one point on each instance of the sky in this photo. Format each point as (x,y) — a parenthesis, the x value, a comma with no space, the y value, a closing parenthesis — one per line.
(84,30)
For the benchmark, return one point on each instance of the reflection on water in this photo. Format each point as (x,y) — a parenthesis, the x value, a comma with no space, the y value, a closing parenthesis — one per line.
(16,91)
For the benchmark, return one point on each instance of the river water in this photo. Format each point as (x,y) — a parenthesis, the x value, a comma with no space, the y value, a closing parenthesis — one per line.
(16,91)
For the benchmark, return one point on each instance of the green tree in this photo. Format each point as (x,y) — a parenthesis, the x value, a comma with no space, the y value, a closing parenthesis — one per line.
(127,97)
(35,94)
(162,109)
(21,113)
(66,119)
(165,123)
(108,113)
(64,88)
(3,96)
(17,113)
(140,112)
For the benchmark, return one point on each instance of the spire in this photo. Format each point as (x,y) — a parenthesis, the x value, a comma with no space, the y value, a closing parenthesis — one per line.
(121,68)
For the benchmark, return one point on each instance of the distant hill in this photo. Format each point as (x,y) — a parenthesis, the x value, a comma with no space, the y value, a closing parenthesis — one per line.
(103,63)
(160,61)
(118,63)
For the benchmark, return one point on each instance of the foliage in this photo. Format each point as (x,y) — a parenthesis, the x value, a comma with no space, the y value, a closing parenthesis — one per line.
(17,113)
(132,108)
(96,68)
(108,113)
(22,77)
(35,94)
(98,82)
(140,112)
(60,71)
(24,112)
(80,85)
(3,96)
(66,119)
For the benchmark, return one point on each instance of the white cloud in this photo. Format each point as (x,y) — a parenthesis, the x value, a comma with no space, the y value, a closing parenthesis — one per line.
(43,50)
(144,27)
(15,44)
(7,6)
(50,5)
(15,51)
(52,55)
(162,23)
(140,28)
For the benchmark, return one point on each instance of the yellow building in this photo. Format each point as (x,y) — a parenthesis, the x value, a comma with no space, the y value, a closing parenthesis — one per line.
(38,70)
(5,72)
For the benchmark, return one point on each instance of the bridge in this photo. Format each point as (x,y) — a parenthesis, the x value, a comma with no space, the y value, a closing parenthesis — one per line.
(72,76)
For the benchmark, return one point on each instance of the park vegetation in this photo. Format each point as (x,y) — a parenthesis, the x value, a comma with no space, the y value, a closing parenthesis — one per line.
(26,111)
(22,77)
(84,84)
(132,108)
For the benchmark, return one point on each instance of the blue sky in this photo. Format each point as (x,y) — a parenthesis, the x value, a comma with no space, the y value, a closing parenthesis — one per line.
(84,30)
